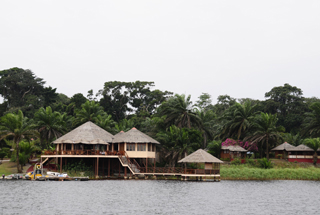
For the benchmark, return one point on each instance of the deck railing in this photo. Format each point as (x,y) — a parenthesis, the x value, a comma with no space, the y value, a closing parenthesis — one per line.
(83,152)
(179,170)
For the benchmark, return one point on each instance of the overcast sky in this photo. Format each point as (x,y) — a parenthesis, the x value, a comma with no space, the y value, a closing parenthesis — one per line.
(240,48)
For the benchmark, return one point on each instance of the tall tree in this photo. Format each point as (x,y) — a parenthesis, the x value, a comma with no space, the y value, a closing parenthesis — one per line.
(121,98)
(18,127)
(89,111)
(224,103)
(265,130)
(311,124)
(78,99)
(178,142)
(287,102)
(314,144)
(238,120)
(50,124)
(208,120)
(179,112)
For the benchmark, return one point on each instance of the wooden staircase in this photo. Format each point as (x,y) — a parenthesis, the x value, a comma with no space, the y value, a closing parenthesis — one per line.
(131,163)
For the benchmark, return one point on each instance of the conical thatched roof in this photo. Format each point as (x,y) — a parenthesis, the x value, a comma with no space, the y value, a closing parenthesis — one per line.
(200,156)
(301,147)
(133,136)
(234,148)
(88,133)
(284,146)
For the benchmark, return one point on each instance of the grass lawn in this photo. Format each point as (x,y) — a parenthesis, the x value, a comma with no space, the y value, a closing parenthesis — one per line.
(8,168)
(282,170)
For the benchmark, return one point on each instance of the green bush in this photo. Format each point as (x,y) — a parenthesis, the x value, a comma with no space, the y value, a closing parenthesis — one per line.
(7,152)
(2,155)
(251,162)
(236,161)
(264,163)
(225,159)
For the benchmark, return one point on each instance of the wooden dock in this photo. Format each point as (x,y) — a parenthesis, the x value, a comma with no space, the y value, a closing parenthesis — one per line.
(57,178)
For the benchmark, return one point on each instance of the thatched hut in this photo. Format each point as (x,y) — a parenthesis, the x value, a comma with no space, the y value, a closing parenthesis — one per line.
(233,151)
(136,144)
(88,136)
(302,153)
(211,163)
(281,151)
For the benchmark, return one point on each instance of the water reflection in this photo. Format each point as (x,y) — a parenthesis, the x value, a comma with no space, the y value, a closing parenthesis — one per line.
(159,197)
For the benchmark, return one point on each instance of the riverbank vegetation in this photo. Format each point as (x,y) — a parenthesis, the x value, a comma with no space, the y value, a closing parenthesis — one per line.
(32,112)
(281,170)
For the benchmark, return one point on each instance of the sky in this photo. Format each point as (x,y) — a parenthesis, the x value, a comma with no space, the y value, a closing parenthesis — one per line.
(240,48)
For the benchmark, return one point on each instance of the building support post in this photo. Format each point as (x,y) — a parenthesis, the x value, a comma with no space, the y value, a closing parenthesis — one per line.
(154,165)
(60,164)
(103,167)
(146,165)
(97,167)
(109,168)
(119,170)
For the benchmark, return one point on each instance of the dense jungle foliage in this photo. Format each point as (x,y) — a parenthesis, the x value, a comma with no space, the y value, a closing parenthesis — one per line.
(33,113)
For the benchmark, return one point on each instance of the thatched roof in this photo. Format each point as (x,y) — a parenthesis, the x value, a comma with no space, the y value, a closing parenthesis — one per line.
(200,156)
(88,133)
(133,136)
(300,148)
(235,148)
(284,146)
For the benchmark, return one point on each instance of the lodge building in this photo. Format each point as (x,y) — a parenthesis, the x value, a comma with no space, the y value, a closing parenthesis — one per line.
(122,155)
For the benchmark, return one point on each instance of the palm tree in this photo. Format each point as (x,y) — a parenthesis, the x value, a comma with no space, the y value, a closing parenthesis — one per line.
(312,121)
(208,121)
(238,120)
(50,124)
(89,111)
(124,125)
(179,112)
(265,129)
(106,122)
(176,143)
(293,139)
(314,144)
(18,127)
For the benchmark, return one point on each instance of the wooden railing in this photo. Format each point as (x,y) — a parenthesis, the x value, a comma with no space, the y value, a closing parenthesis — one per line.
(179,170)
(84,152)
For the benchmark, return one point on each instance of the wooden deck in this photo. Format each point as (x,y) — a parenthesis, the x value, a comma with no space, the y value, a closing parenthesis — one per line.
(132,165)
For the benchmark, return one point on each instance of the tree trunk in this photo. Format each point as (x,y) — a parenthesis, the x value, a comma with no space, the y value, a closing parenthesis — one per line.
(17,158)
(315,158)
(267,148)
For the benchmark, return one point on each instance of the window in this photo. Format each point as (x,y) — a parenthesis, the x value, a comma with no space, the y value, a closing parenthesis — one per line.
(131,147)
(141,147)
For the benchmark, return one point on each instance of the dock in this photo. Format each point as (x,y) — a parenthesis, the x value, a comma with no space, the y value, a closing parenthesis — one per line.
(57,178)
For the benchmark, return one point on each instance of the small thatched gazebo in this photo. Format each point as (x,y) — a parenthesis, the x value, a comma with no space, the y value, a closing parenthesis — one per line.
(282,149)
(201,156)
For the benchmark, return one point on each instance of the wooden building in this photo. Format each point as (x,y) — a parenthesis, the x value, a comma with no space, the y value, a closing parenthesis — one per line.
(231,152)
(108,155)
(302,153)
(123,155)
(281,151)
(211,165)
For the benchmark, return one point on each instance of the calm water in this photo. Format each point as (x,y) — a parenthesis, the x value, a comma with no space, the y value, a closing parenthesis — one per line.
(159,197)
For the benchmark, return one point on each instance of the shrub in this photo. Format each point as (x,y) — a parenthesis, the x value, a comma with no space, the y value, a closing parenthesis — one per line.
(251,162)
(279,156)
(225,159)
(236,161)
(264,163)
